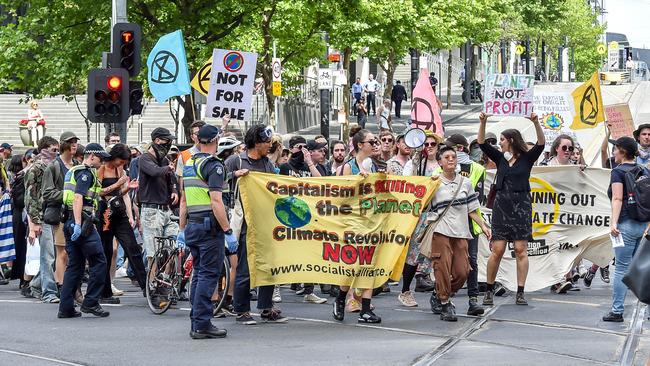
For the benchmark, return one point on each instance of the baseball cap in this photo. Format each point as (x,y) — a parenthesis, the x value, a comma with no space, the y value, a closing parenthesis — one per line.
(313,145)
(636,132)
(6,146)
(295,140)
(162,133)
(626,143)
(96,149)
(491,136)
(67,136)
(457,139)
(208,134)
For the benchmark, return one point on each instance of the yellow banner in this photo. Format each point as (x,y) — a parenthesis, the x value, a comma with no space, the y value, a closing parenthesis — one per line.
(588,104)
(201,81)
(349,231)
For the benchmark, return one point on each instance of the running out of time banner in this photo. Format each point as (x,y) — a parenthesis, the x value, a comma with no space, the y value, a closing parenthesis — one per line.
(350,231)
(571,217)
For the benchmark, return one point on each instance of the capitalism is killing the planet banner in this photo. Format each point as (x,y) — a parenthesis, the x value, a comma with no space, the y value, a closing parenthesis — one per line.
(340,230)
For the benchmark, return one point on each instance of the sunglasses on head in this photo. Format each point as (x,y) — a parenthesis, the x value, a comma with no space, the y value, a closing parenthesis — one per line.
(386,139)
(266,134)
(565,148)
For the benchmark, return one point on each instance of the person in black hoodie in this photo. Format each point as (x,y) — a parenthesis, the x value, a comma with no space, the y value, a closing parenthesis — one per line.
(301,164)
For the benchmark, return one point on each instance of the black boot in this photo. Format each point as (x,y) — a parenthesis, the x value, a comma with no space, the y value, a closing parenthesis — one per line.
(474,308)
(436,306)
(448,313)
(424,284)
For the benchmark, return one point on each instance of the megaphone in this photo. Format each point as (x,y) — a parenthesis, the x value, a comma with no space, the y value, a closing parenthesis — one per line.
(415,138)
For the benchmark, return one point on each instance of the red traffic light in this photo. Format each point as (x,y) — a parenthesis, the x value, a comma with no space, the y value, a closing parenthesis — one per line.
(127,37)
(114,83)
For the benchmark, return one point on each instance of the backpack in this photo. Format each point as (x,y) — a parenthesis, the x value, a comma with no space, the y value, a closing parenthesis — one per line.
(637,184)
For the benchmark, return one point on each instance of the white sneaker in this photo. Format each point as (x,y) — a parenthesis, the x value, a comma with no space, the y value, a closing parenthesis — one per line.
(116,291)
(120,273)
(276,294)
(407,299)
(312,298)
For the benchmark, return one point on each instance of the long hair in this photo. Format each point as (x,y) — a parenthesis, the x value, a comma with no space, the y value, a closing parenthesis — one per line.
(517,143)
(557,142)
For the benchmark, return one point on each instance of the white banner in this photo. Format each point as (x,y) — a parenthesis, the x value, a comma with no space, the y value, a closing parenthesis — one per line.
(231,84)
(571,213)
(555,111)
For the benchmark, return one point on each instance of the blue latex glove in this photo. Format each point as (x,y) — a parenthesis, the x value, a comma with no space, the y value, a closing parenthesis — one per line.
(232,242)
(180,240)
(76,232)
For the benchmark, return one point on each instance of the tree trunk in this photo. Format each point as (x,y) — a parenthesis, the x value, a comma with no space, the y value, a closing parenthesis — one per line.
(347,54)
(449,70)
(390,73)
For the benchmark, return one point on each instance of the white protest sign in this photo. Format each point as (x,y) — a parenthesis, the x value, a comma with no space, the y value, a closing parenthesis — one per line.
(570,220)
(509,95)
(324,79)
(231,84)
(555,111)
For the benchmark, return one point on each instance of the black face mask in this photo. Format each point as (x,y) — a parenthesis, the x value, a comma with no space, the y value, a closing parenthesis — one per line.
(162,149)
(297,159)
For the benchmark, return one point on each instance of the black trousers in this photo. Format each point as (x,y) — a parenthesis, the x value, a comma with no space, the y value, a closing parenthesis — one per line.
(472,278)
(20,240)
(369,102)
(121,229)
(398,108)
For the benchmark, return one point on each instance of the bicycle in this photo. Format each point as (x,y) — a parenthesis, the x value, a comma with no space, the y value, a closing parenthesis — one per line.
(168,273)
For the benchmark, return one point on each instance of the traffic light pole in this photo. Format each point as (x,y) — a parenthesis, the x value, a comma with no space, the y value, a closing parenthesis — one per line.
(325,98)
(118,16)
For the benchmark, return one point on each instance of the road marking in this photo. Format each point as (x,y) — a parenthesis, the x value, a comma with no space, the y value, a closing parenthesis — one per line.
(23,301)
(632,341)
(61,362)
(566,302)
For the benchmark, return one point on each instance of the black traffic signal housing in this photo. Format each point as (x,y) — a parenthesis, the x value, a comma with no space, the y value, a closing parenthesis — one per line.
(135,97)
(108,96)
(127,42)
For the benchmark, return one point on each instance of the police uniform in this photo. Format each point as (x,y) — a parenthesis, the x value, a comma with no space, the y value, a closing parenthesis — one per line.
(204,237)
(82,180)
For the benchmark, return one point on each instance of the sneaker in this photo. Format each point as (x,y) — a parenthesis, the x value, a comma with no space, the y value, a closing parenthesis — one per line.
(27,292)
(423,283)
(300,290)
(352,306)
(78,297)
(613,317)
(588,278)
(582,271)
(448,313)
(245,319)
(338,310)
(604,274)
(273,315)
(575,276)
(392,283)
(521,300)
(562,288)
(474,308)
(116,291)
(334,291)
(407,299)
(488,299)
(436,306)
(499,289)
(52,300)
(109,300)
(276,294)
(312,298)
(253,294)
(369,317)
(120,273)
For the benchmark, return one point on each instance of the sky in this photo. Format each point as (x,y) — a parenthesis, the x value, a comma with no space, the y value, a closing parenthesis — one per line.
(629,17)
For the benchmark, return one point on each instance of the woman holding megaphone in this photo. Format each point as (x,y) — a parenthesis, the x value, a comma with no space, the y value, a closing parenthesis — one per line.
(510,194)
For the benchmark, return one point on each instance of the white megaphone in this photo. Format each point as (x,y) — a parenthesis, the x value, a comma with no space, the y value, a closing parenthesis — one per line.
(414,138)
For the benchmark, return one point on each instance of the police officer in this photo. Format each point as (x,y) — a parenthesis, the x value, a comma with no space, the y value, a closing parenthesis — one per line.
(207,230)
(82,243)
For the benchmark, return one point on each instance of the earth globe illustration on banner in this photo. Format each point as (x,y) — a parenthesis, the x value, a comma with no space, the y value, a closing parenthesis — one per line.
(292,212)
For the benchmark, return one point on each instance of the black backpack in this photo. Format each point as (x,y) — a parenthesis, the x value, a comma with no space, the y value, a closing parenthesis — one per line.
(637,184)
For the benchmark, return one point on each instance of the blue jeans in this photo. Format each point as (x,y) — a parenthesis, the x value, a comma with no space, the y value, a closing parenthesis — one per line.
(44,282)
(242,294)
(208,252)
(84,248)
(632,232)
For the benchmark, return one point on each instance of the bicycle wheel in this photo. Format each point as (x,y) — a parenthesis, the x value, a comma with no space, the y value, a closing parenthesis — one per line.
(223,285)
(160,278)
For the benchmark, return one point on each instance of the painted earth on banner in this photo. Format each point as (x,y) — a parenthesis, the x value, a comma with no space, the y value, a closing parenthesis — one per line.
(350,230)
(571,216)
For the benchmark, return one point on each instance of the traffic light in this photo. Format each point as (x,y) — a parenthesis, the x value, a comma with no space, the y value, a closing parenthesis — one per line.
(126,41)
(108,95)
(135,97)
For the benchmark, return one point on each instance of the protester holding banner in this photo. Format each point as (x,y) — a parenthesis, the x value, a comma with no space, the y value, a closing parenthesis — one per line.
(364,143)
(447,232)
(512,209)
(626,229)
(338,153)
(642,136)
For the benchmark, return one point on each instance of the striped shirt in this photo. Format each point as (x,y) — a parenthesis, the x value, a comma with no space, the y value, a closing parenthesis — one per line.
(455,222)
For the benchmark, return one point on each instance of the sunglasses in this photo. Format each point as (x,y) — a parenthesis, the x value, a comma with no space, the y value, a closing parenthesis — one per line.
(387,139)
(372,142)
(266,134)
(491,141)
(430,144)
(570,148)
(299,146)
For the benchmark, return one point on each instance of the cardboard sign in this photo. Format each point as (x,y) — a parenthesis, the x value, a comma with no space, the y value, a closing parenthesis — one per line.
(509,95)
(555,111)
(231,84)
(619,120)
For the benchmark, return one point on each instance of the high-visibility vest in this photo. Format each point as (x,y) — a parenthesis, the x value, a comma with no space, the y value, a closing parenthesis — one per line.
(197,193)
(70,184)
(476,172)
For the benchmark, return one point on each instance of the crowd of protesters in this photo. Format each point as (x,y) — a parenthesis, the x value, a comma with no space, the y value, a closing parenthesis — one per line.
(138,193)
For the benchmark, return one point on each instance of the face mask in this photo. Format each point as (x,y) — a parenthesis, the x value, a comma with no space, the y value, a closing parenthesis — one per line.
(297,158)
(162,150)
(47,156)
(507,155)
(476,154)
